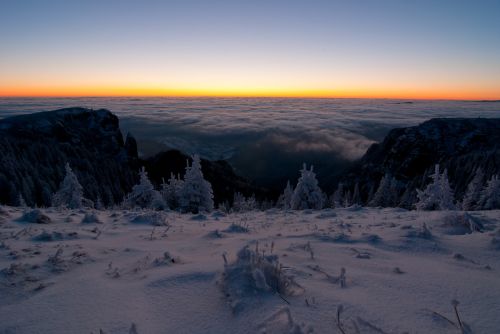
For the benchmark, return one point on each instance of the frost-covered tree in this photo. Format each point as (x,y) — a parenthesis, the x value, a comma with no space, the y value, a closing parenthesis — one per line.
(490,195)
(285,199)
(239,202)
(307,194)
(446,193)
(171,191)
(438,195)
(356,197)
(473,193)
(196,193)
(243,204)
(70,193)
(386,192)
(144,195)
(337,200)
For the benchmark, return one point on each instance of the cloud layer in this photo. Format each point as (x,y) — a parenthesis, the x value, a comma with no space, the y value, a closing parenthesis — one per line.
(265,139)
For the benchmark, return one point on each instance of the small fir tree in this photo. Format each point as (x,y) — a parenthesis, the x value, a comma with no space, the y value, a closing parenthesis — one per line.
(143,194)
(196,193)
(70,193)
(307,194)
(490,196)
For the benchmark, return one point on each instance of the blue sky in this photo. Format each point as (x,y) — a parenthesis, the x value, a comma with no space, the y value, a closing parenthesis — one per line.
(326,46)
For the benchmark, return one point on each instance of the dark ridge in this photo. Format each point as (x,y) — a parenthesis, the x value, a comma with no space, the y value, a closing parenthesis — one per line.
(409,154)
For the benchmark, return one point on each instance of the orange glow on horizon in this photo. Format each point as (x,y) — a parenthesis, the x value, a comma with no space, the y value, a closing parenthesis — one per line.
(105,91)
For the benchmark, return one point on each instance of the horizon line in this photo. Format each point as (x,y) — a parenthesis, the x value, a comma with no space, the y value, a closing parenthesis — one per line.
(216,96)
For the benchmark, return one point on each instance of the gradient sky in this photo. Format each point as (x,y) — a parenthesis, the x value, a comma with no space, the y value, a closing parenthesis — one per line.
(372,48)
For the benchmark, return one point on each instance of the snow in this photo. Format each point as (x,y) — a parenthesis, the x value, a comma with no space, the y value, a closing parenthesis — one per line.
(115,270)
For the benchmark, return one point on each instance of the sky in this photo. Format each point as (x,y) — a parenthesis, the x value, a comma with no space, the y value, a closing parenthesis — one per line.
(365,48)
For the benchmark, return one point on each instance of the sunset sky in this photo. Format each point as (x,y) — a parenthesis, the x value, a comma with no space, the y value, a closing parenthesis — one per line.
(394,49)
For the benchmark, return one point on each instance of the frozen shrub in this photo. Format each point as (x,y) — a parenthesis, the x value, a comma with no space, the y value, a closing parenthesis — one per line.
(253,272)
(35,216)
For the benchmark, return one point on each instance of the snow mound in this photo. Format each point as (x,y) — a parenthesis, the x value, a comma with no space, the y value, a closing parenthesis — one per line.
(281,322)
(236,228)
(91,218)
(35,217)
(327,213)
(199,217)
(460,223)
(150,218)
(54,236)
(422,233)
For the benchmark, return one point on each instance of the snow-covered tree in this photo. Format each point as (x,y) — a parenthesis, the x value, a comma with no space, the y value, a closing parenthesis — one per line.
(438,194)
(446,193)
(285,199)
(386,192)
(196,193)
(307,194)
(239,202)
(243,204)
(337,200)
(171,191)
(356,197)
(473,193)
(70,193)
(144,195)
(490,195)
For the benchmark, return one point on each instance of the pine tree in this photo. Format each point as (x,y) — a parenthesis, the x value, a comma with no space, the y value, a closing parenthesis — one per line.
(196,192)
(438,195)
(143,195)
(171,191)
(446,193)
(383,196)
(490,195)
(70,193)
(307,194)
(285,199)
(239,202)
(473,193)
(356,197)
(338,196)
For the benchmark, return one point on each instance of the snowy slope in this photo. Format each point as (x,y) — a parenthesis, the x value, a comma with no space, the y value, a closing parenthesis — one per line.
(112,273)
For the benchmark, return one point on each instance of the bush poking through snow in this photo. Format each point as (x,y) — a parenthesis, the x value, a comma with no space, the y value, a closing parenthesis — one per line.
(254,272)
(35,216)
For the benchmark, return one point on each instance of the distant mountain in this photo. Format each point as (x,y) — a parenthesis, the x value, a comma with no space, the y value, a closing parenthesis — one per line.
(409,154)
(35,148)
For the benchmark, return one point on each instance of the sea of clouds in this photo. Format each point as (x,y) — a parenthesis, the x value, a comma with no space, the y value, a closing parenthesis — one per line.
(265,139)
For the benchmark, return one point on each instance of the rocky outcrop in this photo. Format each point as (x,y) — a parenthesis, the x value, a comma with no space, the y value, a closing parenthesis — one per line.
(409,154)
(35,147)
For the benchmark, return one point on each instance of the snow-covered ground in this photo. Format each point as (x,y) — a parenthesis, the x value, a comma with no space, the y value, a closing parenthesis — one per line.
(117,272)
